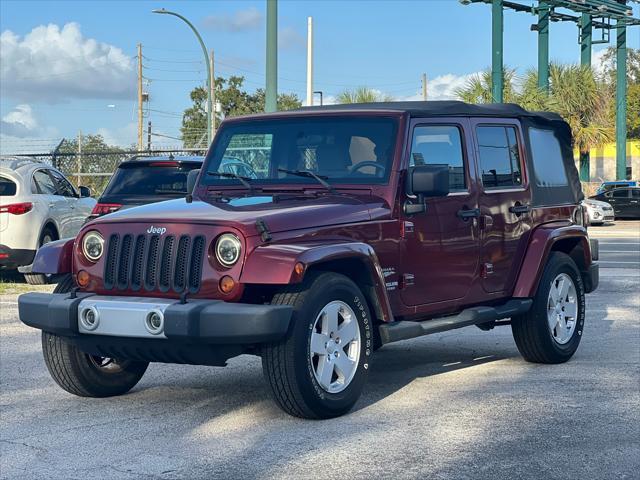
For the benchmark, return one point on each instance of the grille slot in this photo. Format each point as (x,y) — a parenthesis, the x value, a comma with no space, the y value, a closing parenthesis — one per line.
(124,262)
(138,260)
(111,263)
(152,262)
(180,277)
(195,271)
(165,265)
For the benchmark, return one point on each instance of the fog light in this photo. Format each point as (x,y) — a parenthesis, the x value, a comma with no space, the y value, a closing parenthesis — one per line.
(154,322)
(89,318)
(83,278)
(226,284)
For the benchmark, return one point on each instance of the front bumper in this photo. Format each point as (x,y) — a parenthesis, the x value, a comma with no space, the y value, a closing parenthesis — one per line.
(15,257)
(199,331)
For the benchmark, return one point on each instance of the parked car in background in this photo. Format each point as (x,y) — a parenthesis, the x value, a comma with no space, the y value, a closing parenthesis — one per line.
(598,212)
(143,180)
(607,186)
(625,201)
(37,205)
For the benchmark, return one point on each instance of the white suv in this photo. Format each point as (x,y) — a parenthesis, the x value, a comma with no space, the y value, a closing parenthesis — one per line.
(37,205)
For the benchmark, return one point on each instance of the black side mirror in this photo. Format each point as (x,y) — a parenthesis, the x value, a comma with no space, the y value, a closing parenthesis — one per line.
(425,181)
(192,178)
(84,191)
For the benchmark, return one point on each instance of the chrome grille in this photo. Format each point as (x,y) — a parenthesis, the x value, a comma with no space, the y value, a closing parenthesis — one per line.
(154,263)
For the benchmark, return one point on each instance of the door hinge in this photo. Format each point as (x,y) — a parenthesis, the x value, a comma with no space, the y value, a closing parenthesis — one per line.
(407,280)
(487,269)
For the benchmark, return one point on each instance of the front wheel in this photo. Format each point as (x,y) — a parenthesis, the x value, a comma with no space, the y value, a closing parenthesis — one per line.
(551,331)
(319,369)
(83,374)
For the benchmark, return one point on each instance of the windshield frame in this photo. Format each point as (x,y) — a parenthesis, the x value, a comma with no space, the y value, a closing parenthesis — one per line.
(290,182)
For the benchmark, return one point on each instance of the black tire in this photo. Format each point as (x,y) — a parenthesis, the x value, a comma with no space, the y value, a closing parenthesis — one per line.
(48,234)
(532,332)
(86,375)
(286,364)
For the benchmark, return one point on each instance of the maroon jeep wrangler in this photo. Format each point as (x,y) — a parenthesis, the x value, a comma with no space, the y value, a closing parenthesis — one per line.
(347,227)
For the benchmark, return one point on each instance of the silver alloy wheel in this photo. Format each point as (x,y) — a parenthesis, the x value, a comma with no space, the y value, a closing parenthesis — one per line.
(562,308)
(334,349)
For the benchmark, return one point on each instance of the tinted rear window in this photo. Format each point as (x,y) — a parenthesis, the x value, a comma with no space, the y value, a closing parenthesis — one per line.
(7,187)
(149,180)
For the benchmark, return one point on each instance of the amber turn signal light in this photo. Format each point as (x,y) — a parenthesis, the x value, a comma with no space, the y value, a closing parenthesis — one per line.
(227,284)
(299,268)
(83,278)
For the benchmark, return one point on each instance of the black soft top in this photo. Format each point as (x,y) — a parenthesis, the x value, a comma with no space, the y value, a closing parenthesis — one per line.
(444,108)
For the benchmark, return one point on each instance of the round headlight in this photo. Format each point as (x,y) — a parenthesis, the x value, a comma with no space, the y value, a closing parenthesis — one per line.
(228,249)
(93,246)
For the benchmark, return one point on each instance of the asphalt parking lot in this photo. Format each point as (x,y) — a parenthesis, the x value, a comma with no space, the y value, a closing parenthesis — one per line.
(462,404)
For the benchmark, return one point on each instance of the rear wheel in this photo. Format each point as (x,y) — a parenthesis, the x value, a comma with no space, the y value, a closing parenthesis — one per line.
(551,331)
(319,369)
(83,374)
(48,235)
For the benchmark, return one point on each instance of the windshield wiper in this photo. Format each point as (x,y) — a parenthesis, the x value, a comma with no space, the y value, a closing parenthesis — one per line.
(309,174)
(243,180)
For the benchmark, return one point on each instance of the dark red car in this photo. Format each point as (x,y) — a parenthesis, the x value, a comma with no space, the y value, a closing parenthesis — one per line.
(361,225)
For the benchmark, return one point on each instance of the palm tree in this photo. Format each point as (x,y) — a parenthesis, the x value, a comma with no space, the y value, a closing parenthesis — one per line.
(363,95)
(477,89)
(583,102)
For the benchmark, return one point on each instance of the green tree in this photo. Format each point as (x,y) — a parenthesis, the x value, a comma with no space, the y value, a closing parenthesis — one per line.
(477,89)
(234,100)
(633,87)
(363,95)
(97,157)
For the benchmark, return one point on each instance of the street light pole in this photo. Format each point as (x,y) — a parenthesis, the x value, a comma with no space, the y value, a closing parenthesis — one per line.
(207,65)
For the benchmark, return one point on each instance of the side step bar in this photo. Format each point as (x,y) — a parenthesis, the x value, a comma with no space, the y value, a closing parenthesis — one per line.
(404,330)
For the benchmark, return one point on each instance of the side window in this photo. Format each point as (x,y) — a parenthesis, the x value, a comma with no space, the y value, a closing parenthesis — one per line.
(620,193)
(64,187)
(44,183)
(438,145)
(635,193)
(499,157)
(547,158)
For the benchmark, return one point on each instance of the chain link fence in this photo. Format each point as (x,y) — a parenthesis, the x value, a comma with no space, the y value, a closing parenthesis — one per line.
(94,169)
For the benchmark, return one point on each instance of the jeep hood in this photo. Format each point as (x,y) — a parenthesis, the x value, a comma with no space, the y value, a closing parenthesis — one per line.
(279,212)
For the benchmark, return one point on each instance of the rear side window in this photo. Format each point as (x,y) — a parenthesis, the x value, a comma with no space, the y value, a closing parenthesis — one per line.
(7,187)
(620,193)
(635,193)
(146,179)
(440,145)
(547,158)
(499,157)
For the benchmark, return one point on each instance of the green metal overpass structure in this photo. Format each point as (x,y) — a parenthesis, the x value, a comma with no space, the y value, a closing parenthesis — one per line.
(589,16)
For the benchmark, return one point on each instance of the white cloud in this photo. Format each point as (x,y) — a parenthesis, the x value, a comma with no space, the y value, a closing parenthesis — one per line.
(123,136)
(598,62)
(54,64)
(290,39)
(240,21)
(19,122)
(443,87)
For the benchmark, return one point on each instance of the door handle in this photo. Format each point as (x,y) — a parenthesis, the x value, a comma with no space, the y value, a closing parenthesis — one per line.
(520,209)
(467,214)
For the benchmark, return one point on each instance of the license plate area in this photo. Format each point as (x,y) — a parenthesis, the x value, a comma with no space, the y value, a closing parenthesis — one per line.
(137,317)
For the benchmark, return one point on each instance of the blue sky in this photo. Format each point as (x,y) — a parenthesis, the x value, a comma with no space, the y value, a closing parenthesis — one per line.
(70,65)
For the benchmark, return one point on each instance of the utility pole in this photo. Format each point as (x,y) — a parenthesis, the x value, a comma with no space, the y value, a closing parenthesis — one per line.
(139,96)
(544,12)
(309,61)
(497,48)
(621,101)
(271,91)
(79,159)
(149,136)
(213,97)
(424,87)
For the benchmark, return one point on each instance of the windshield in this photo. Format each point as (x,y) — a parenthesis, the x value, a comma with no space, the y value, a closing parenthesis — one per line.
(348,150)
